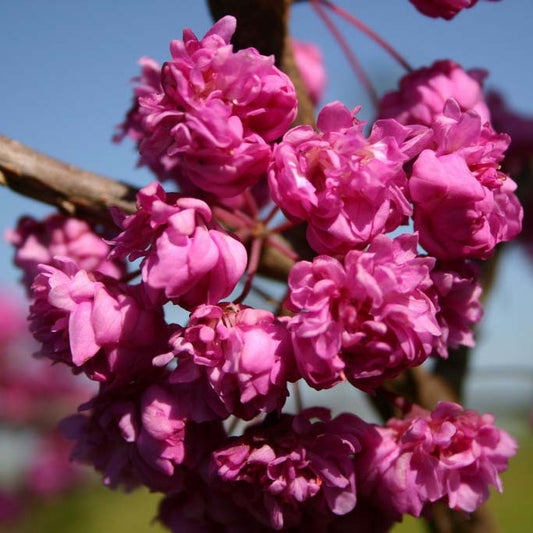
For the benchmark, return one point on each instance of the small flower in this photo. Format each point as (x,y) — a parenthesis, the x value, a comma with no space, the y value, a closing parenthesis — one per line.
(423,93)
(446,9)
(365,320)
(208,118)
(448,454)
(464,204)
(245,354)
(95,324)
(275,470)
(187,257)
(457,295)
(347,187)
(38,242)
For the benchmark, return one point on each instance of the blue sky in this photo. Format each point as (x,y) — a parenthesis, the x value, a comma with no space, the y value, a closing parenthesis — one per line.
(64,85)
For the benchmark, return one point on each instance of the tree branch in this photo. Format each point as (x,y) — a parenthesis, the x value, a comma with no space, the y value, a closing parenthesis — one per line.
(74,191)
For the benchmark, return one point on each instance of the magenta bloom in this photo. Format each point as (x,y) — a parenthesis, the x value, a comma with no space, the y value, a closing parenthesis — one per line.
(187,257)
(95,324)
(365,320)
(310,64)
(448,454)
(423,93)
(209,118)
(347,187)
(446,9)
(275,470)
(464,205)
(246,355)
(136,437)
(457,298)
(38,242)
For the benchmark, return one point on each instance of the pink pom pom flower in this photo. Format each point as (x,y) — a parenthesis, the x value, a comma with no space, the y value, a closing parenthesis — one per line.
(448,454)
(187,257)
(38,242)
(365,320)
(347,187)
(95,324)
(275,470)
(245,354)
(210,117)
(464,205)
(423,93)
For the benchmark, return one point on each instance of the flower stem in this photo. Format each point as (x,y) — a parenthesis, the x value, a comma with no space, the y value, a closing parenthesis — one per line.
(348,52)
(361,26)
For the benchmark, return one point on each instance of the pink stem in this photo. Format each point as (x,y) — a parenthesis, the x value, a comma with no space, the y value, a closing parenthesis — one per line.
(237,218)
(271,215)
(368,32)
(348,52)
(250,202)
(285,226)
(282,248)
(253,264)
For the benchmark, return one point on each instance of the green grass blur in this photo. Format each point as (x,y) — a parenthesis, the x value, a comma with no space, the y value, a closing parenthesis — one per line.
(99,510)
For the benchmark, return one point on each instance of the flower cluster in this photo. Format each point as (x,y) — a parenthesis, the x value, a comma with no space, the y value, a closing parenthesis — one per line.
(446,9)
(171,396)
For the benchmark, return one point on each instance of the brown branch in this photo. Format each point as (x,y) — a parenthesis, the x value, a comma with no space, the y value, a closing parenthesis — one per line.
(74,191)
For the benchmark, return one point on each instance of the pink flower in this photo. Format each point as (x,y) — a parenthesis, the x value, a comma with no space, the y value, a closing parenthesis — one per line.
(49,471)
(95,324)
(309,61)
(136,436)
(457,294)
(187,257)
(448,454)
(366,320)
(214,114)
(464,205)
(347,187)
(246,355)
(38,242)
(446,9)
(423,93)
(275,470)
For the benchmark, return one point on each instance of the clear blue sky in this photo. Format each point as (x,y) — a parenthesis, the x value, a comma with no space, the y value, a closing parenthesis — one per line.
(64,85)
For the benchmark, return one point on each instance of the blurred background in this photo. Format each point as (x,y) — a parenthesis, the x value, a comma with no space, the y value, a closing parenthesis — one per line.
(63,88)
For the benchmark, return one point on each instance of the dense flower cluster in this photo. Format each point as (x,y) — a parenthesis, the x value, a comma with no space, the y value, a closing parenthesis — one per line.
(365,320)
(171,396)
(200,124)
(38,242)
(347,187)
(93,323)
(245,354)
(187,257)
(448,454)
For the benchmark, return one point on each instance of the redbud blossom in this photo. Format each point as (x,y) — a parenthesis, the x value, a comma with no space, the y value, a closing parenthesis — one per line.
(457,298)
(464,205)
(140,437)
(446,9)
(423,93)
(274,470)
(347,187)
(95,324)
(187,257)
(365,320)
(38,242)
(448,454)
(245,354)
(212,114)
